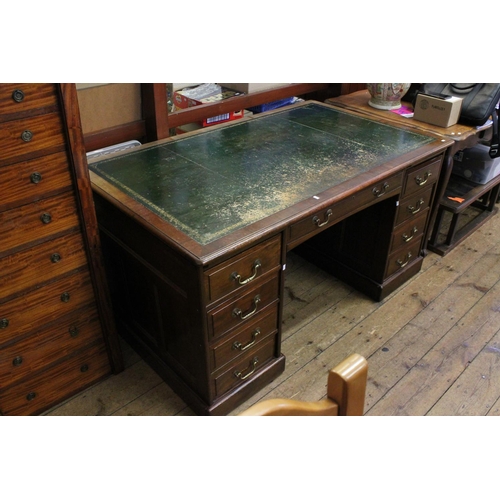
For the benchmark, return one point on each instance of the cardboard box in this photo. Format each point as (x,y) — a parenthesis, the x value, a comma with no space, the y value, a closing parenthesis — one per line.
(441,111)
(205,93)
(248,88)
(476,164)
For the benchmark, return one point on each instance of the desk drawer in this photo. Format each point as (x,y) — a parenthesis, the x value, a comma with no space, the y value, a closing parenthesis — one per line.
(41,263)
(244,309)
(58,382)
(243,270)
(421,176)
(36,221)
(409,231)
(245,340)
(403,257)
(338,211)
(413,206)
(35,352)
(30,136)
(23,315)
(34,179)
(245,368)
(26,97)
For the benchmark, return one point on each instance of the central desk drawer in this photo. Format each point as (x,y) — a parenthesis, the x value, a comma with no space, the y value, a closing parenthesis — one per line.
(339,211)
(244,269)
(244,309)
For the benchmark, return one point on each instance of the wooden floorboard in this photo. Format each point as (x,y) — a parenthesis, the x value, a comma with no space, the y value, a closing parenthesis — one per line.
(433,346)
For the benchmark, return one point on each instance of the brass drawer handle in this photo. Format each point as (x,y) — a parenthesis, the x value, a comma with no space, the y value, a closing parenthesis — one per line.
(31,396)
(240,347)
(18,95)
(35,177)
(239,313)
(27,135)
(380,192)
(17,361)
(405,262)
(414,210)
(65,297)
(421,181)
(316,219)
(73,331)
(408,238)
(252,367)
(4,323)
(237,277)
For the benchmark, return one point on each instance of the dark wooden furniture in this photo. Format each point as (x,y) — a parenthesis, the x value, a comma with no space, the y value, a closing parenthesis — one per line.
(196,230)
(57,333)
(345,395)
(460,194)
(463,136)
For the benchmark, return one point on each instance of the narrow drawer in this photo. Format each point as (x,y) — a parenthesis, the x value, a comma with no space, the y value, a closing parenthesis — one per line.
(409,231)
(245,340)
(338,211)
(30,136)
(34,179)
(244,309)
(37,221)
(51,386)
(422,176)
(22,315)
(413,206)
(41,263)
(403,257)
(16,98)
(245,368)
(244,270)
(48,345)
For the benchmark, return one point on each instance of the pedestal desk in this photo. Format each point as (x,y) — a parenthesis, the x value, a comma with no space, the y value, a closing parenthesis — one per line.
(463,136)
(195,231)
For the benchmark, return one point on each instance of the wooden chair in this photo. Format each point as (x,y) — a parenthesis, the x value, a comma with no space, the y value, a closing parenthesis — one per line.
(346,390)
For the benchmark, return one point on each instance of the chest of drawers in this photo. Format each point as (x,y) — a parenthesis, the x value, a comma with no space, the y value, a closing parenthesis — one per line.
(57,334)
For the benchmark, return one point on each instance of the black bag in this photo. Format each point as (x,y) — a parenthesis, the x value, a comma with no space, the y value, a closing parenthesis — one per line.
(479,103)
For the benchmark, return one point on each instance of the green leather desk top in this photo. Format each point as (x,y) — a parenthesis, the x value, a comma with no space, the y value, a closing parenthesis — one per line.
(212,183)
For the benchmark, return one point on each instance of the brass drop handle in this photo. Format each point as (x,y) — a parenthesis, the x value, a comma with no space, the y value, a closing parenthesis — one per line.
(415,210)
(240,347)
(237,277)
(405,262)
(4,323)
(252,367)
(239,313)
(380,192)
(316,219)
(421,181)
(409,237)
